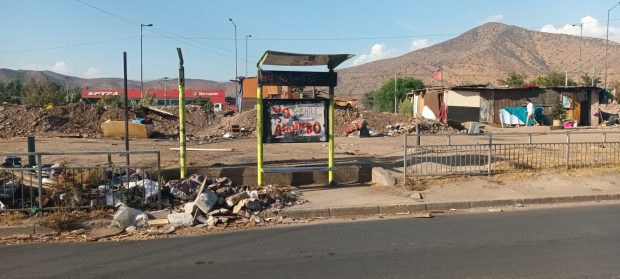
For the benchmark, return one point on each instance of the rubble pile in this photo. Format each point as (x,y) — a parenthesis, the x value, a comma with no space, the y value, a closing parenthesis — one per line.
(426,126)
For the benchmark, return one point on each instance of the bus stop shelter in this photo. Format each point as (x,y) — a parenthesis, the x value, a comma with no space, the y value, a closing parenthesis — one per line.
(282,121)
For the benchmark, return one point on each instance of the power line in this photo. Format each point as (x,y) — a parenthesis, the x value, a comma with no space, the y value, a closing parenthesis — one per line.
(161,32)
(67,46)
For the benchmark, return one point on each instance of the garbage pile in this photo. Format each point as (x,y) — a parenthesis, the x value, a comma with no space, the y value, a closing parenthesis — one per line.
(205,202)
(425,126)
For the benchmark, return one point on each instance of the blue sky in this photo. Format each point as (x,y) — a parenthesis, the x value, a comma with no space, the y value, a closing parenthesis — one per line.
(86,38)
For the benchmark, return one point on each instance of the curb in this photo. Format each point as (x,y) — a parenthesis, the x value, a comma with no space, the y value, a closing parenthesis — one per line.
(442,206)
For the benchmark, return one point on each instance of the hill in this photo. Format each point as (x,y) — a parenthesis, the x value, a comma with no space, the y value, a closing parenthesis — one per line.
(106,83)
(485,54)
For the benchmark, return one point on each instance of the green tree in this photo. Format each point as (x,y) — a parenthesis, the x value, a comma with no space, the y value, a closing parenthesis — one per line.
(384,98)
(405,107)
(11,91)
(369,100)
(41,93)
(110,101)
(587,80)
(553,79)
(513,79)
(148,99)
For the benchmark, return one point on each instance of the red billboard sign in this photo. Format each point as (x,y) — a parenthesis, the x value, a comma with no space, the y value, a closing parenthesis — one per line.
(217,96)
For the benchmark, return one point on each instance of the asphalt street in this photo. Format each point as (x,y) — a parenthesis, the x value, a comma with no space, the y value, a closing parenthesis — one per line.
(548,243)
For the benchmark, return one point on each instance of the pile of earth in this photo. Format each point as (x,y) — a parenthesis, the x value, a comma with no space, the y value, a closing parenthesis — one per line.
(85,120)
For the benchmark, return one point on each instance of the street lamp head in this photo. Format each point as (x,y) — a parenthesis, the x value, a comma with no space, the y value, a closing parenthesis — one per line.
(150,24)
(249,36)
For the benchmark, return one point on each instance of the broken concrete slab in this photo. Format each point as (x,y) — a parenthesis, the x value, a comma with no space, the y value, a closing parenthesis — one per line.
(181,219)
(382,177)
(206,200)
(158,222)
(234,199)
(99,233)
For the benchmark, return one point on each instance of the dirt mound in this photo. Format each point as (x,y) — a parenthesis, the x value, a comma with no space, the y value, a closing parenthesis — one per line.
(85,120)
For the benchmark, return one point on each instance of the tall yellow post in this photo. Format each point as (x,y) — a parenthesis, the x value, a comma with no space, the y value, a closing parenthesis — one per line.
(330,174)
(259,134)
(182,155)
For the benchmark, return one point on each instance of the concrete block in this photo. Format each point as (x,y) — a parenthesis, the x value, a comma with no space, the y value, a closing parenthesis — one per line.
(547,200)
(575,199)
(492,203)
(12,230)
(448,205)
(352,211)
(608,197)
(181,219)
(305,213)
(381,176)
(401,208)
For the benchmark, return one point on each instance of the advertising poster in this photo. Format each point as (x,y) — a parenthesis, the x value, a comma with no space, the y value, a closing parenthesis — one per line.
(296,120)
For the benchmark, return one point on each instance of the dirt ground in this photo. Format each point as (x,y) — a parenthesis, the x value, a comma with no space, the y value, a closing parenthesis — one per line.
(385,151)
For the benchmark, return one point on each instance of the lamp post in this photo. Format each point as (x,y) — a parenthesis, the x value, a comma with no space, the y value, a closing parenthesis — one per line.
(235,25)
(580,43)
(141,75)
(246,53)
(166,91)
(607,42)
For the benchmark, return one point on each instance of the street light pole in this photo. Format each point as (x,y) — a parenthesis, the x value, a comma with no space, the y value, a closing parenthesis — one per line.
(607,42)
(166,91)
(246,53)
(141,75)
(235,25)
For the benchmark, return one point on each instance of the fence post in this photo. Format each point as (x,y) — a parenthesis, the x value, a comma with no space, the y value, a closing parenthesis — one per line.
(489,155)
(567,150)
(604,137)
(529,138)
(40,176)
(449,140)
(417,134)
(159,180)
(405,162)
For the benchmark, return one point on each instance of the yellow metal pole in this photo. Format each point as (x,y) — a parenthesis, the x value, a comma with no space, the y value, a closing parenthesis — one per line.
(259,134)
(332,101)
(182,155)
(259,122)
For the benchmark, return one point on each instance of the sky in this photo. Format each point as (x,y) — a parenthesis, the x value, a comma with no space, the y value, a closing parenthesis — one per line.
(87,38)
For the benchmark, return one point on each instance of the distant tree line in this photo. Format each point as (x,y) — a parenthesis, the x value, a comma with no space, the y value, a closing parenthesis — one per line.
(515,80)
(37,93)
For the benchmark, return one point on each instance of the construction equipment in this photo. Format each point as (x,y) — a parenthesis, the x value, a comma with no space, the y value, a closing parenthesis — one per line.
(346,104)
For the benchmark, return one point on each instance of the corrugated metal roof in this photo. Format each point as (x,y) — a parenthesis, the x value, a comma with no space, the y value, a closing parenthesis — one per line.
(278,58)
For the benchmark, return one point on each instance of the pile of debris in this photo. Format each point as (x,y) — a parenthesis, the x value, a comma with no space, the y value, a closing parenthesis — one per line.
(424,126)
(207,202)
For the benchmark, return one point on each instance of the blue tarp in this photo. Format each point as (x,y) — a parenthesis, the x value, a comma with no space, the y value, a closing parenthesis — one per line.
(521,114)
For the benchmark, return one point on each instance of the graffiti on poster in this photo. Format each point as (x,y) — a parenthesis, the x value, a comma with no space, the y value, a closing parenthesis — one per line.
(297,122)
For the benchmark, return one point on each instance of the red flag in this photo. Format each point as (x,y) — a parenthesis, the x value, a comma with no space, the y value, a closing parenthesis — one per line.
(437,74)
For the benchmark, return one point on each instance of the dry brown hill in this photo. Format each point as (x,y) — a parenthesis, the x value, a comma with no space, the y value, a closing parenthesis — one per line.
(107,83)
(485,54)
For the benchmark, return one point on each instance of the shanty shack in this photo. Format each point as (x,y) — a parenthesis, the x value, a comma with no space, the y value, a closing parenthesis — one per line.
(483,104)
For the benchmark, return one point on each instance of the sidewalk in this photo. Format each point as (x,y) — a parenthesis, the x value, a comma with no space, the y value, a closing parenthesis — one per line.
(517,189)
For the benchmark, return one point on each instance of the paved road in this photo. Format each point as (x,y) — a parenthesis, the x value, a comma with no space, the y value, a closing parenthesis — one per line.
(551,243)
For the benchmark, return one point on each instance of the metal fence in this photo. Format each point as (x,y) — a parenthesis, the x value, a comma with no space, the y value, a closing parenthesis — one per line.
(44,184)
(482,155)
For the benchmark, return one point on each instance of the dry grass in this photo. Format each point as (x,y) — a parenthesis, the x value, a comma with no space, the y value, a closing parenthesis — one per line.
(61,219)
(12,218)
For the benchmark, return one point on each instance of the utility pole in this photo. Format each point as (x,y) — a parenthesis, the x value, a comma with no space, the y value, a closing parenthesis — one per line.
(607,41)
(166,91)
(395,90)
(141,76)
